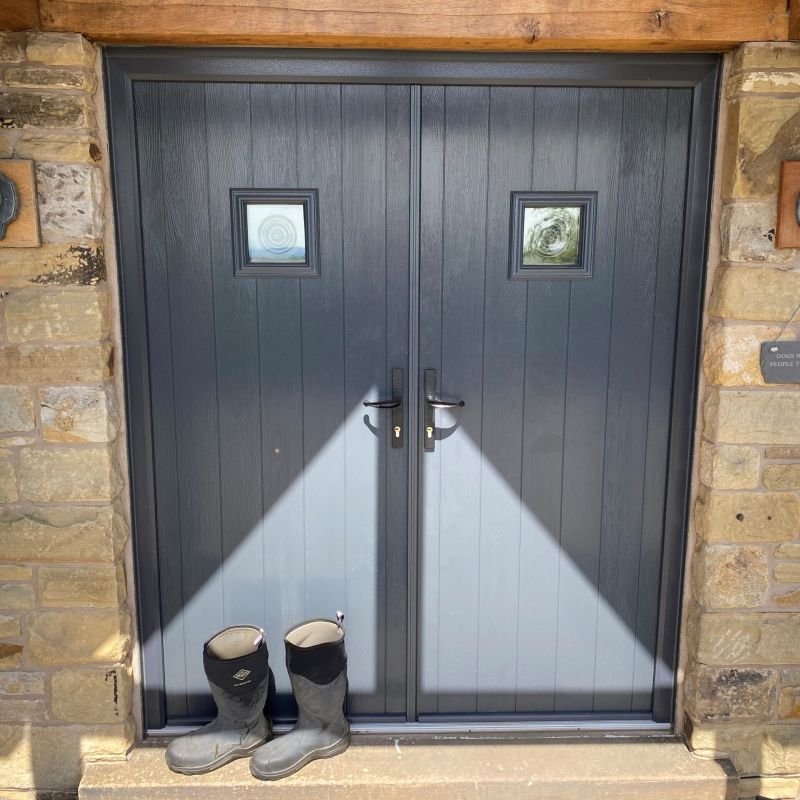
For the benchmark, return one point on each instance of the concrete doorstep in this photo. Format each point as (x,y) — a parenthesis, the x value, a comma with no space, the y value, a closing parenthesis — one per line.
(439,769)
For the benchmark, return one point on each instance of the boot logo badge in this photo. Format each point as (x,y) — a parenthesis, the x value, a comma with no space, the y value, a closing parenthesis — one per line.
(241,674)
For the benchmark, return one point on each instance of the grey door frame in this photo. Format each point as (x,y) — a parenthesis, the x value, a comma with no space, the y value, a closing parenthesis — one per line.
(699,72)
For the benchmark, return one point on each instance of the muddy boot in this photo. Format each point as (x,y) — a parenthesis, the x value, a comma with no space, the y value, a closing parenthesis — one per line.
(317,664)
(237,667)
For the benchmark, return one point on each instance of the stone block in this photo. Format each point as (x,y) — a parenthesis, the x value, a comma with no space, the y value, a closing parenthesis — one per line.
(60,49)
(732,353)
(85,636)
(10,656)
(49,78)
(77,414)
(789,703)
(755,750)
(756,638)
(16,409)
(17,596)
(772,787)
(782,453)
(6,146)
(83,534)
(748,234)
(766,55)
(53,265)
(47,111)
(785,81)
(92,695)
(747,517)
(8,478)
(766,294)
(22,683)
(68,474)
(96,586)
(12,47)
(14,710)
(789,550)
(9,627)
(782,476)
(57,363)
(49,757)
(752,417)
(58,148)
(720,694)
(788,599)
(71,313)
(727,466)
(14,572)
(787,572)
(731,576)
(70,201)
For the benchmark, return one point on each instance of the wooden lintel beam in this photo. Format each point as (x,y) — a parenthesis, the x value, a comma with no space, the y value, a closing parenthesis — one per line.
(19,15)
(506,25)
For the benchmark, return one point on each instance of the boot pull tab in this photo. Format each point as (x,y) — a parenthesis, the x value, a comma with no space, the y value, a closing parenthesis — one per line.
(339,617)
(260,638)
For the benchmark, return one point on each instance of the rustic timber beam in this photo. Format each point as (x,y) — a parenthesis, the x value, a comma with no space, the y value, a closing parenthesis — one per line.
(794,20)
(504,25)
(19,15)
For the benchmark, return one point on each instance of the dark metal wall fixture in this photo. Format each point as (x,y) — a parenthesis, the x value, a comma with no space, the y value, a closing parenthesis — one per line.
(275,233)
(552,235)
(9,203)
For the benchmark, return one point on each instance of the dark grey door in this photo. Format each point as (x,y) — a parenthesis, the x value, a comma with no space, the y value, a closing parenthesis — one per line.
(277,496)
(542,506)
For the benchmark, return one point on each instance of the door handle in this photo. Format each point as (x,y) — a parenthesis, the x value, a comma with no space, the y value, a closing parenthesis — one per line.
(396,406)
(431,405)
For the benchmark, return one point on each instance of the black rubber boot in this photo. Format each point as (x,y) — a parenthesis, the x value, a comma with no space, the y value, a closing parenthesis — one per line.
(236,663)
(317,664)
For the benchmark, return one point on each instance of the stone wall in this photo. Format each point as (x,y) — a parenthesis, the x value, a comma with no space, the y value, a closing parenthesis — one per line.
(742,685)
(65,681)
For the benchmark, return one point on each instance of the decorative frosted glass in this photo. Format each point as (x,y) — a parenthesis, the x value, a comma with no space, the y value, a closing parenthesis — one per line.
(551,236)
(276,233)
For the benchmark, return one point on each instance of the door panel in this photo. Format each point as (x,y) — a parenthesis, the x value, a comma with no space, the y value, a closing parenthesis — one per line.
(278,497)
(542,507)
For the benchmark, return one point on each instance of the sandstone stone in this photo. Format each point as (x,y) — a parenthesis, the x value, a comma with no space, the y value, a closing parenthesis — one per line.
(16,409)
(748,233)
(53,265)
(56,363)
(755,294)
(788,599)
(47,78)
(9,627)
(16,596)
(77,414)
(732,353)
(766,750)
(769,788)
(8,478)
(747,517)
(50,756)
(92,695)
(53,148)
(782,453)
(83,534)
(10,656)
(60,49)
(65,474)
(14,572)
(72,313)
(789,703)
(98,586)
(769,81)
(16,441)
(720,694)
(731,576)
(49,111)
(782,476)
(728,466)
(762,639)
(78,636)
(6,146)
(12,47)
(787,572)
(22,682)
(771,55)
(70,201)
(791,550)
(13,710)
(742,417)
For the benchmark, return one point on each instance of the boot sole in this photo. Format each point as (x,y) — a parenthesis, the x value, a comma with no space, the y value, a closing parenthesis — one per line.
(324,752)
(232,755)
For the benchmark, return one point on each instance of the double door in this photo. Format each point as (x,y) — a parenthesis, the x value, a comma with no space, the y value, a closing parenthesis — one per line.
(500,559)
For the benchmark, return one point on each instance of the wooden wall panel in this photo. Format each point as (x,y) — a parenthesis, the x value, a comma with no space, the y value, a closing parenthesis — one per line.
(512,25)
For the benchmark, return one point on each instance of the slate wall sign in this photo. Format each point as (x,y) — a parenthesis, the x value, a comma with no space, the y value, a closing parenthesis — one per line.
(23,229)
(780,362)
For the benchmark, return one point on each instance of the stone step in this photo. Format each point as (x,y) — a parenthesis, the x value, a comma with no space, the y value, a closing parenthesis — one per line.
(439,769)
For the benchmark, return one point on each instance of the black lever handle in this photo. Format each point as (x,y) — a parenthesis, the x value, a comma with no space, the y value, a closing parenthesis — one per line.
(431,405)
(396,406)
(446,403)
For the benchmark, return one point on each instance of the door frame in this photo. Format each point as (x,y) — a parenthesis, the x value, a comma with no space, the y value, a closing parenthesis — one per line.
(125,65)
